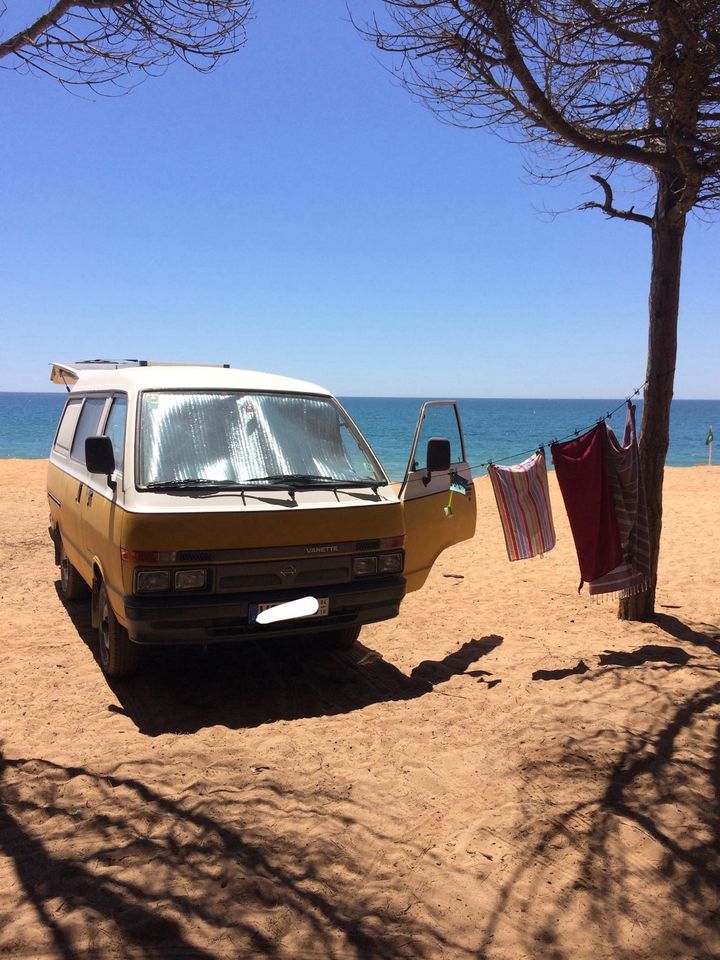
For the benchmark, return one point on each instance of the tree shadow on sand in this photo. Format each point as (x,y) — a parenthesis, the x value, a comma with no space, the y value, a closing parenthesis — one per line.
(129,871)
(632,868)
(183,689)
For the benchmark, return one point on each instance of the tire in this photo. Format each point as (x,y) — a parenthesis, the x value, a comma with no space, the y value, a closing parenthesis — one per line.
(342,639)
(118,655)
(72,585)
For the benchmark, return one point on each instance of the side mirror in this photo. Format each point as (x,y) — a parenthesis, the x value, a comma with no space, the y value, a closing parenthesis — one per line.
(438,457)
(99,456)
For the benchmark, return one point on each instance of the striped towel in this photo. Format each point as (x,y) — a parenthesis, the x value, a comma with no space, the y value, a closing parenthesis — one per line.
(523,501)
(628,494)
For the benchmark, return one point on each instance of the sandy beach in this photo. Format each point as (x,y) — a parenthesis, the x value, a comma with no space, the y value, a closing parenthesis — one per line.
(506,771)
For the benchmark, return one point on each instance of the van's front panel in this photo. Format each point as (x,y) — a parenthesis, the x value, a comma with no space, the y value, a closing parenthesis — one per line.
(197,576)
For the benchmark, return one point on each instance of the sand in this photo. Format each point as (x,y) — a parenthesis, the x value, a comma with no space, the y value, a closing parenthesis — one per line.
(505,771)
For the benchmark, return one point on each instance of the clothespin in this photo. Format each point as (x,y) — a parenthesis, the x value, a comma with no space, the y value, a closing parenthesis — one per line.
(460,485)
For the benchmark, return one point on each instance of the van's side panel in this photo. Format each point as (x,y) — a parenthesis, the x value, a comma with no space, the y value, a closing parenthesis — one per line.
(65,493)
(102,529)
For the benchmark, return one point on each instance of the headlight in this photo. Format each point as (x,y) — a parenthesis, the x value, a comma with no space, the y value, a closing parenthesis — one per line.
(390,563)
(364,566)
(190,579)
(152,581)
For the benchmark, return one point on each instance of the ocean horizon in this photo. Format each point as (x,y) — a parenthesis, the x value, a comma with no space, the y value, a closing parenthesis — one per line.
(504,430)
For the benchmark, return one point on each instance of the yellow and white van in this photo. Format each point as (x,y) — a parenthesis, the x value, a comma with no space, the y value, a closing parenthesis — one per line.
(196,504)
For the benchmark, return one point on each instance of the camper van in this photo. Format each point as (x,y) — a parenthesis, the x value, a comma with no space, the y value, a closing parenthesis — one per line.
(199,504)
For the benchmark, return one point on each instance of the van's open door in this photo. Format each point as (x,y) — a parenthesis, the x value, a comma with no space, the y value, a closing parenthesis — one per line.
(436,517)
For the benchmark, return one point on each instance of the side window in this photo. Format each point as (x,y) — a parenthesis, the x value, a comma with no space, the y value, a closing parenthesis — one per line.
(68,422)
(115,429)
(439,422)
(87,426)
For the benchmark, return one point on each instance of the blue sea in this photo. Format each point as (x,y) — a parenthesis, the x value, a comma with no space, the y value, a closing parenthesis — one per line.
(504,431)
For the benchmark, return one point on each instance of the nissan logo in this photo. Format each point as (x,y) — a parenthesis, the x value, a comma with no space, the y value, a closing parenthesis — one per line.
(288,571)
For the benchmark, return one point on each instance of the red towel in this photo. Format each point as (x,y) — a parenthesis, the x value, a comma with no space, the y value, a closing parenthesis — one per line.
(583,478)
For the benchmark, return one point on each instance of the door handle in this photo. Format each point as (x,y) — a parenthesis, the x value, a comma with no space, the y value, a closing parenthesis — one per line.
(78,494)
(89,498)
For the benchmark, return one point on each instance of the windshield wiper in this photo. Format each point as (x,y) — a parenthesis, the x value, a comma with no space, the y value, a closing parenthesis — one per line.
(276,481)
(298,481)
(188,483)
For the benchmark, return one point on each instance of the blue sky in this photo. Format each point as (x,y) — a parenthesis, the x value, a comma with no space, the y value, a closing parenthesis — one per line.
(296,211)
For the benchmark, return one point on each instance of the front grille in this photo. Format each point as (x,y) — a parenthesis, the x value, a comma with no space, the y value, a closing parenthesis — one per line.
(332,575)
(282,574)
(248,582)
(193,556)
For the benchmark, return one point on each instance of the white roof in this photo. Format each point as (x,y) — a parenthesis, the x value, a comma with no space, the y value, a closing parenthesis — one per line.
(130,376)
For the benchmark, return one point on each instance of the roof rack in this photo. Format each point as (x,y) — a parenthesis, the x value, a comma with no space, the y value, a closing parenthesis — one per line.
(66,373)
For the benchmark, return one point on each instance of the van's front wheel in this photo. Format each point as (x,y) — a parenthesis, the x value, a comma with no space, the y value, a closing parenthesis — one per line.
(117,653)
(342,639)
(72,585)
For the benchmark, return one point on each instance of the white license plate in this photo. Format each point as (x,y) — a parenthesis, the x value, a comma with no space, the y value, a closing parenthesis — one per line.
(322,610)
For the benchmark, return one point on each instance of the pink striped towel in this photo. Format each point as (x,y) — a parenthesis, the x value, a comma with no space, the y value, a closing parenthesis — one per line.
(523,501)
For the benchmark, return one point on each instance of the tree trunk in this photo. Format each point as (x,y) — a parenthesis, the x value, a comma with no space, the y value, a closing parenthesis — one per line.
(668,229)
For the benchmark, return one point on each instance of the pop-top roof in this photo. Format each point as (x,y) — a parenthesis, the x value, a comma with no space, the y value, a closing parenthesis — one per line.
(68,373)
(151,375)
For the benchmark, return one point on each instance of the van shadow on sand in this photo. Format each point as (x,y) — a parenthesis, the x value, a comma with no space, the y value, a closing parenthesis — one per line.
(183,689)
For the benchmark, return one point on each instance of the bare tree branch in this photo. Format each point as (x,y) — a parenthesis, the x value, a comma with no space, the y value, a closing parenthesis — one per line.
(625,81)
(101,42)
(608,208)
(583,138)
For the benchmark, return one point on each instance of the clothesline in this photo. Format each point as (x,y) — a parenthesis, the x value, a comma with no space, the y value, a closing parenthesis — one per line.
(576,433)
(569,436)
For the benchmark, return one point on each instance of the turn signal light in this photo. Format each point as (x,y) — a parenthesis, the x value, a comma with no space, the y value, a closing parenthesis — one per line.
(146,556)
(388,543)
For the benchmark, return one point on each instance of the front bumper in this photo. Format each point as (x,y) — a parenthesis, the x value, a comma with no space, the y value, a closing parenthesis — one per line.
(216,619)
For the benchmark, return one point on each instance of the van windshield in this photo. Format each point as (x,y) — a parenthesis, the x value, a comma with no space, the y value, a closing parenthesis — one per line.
(249,439)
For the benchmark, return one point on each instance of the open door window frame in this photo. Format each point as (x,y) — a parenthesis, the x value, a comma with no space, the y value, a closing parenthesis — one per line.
(418,429)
